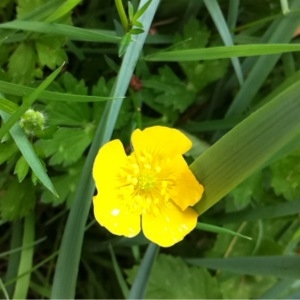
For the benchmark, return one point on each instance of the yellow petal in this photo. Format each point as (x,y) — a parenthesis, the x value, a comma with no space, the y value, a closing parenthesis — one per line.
(170,226)
(160,140)
(186,190)
(110,213)
(107,165)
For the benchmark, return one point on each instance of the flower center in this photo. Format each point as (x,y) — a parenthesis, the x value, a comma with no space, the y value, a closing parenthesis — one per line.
(146,182)
(144,186)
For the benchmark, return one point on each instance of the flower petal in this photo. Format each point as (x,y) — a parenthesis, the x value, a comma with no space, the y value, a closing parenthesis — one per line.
(108,161)
(170,226)
(111,214)
(186,191)
(162,140)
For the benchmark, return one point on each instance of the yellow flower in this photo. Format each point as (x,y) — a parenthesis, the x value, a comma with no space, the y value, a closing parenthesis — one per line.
(152,188)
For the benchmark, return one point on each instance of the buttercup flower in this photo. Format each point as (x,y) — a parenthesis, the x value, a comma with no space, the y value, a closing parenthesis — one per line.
(152,188)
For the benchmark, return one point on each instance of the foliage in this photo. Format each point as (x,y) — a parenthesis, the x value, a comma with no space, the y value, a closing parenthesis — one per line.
(76,74)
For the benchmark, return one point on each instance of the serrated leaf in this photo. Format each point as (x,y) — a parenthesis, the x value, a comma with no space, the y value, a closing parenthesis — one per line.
(7,149)
(171,91)
(21,64)
(65,185)
(67,145)
(171,278)
(241,196)
(286,176)
(50,52)
(21,168)
(17,201)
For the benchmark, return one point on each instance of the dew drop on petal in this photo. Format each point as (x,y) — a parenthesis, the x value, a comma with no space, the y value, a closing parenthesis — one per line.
(115,212)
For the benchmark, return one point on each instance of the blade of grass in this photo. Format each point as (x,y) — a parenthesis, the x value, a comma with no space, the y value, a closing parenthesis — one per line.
(22,284)
(3,289)
(71,32)
(21,90)
(65,276)
(29,154)
(280,31)
(276,266)
(222,52)
(139,287)
(217,229)
(18,249)
(62,10)
(28,101)
(262,212)
(218,18)
(8,106)
(233,12)
(247,146)
(14,258)
(118,271)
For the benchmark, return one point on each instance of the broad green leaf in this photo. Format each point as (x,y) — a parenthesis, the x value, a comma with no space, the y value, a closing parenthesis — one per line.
(172,278)
(277,266)
(21,64)
(247,146)
(222,52)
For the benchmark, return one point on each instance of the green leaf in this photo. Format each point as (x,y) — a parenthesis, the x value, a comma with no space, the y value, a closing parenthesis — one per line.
(140,12)
(286,176)
(171,278)
(8,106)
(130,11)
(277,266)
(21,65)
(21,168)
(17,201)
(50,52)
(217,229)
(222,52)
(125,41)
(172,93)
(28,101)
(21,90)
(67,145)
(62,10)
(29,154)
(65,185)
(7,149)
(247,146)
(71,32)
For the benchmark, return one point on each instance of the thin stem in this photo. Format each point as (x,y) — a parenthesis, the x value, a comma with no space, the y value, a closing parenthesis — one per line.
(122,15)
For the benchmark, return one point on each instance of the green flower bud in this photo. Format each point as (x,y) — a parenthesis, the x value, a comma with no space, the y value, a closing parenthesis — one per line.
(33,122)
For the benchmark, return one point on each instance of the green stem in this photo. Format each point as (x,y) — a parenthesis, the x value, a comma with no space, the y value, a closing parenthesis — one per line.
(122,15)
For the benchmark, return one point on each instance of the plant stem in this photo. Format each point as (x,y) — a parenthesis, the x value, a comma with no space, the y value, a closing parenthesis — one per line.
(122,15)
